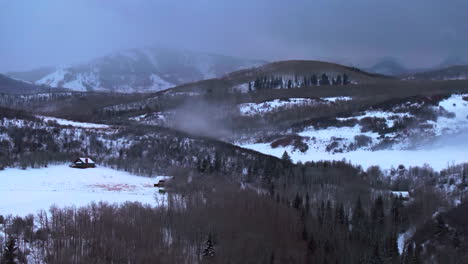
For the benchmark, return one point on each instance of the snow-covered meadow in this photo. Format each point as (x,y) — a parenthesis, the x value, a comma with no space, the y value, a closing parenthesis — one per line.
(438,158)
(27,191)
(250,109)
(65,122)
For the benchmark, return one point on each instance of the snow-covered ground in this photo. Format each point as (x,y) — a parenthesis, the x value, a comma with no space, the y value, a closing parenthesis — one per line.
(336,99)
(27,191)
(455,104)
(277,104)
(450,147)
(438,158)
(268,106)
(65,122)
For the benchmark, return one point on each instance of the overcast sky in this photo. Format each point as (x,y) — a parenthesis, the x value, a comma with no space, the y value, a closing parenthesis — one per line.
(37,33)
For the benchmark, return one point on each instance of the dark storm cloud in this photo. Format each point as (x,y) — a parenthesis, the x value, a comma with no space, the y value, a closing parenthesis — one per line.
(51,32)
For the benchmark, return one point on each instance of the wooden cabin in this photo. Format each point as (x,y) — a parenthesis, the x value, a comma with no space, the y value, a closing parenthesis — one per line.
(83,163)
(402,195)
(160,184)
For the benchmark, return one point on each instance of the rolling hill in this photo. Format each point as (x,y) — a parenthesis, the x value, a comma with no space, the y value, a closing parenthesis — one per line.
(284,74)
(13,86)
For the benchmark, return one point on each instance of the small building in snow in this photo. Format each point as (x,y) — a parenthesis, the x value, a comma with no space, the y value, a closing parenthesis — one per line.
(83,163)
(401,195)
(160,184)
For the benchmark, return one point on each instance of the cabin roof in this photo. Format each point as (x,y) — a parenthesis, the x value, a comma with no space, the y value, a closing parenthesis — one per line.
(401,194)
(83,160)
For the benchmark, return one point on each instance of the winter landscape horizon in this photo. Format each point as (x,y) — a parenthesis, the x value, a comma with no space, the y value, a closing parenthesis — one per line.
(242,131)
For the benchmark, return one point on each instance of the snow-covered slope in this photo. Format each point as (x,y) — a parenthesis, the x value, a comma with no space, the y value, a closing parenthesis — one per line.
(31,190)
(250,109)
(65,122)
(408,134)
(144,70)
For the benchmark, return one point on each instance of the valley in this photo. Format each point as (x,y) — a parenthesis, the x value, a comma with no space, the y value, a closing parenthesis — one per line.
(316,144)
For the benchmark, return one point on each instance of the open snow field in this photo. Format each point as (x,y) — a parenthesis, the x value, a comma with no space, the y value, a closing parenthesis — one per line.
(26,191)
(65,122)
(437,158)
(448,148)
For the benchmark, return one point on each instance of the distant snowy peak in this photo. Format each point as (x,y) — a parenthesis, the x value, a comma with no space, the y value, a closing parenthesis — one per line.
(144,70)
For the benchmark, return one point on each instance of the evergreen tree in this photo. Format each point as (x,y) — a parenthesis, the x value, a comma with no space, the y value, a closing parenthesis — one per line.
(304,232)
(391,247)
(359,221)
(307,203)
(339,81)
(10,252)
(345,79)
(456,240)
(376,259)
(321,213)
(314,80)
(417,255)
(311,247)
(340,214)
(297,202)
(396,213)
(377,212)
(409,254)
(464,178)
(324,80)
(209,250)
(328,213)
(286,157)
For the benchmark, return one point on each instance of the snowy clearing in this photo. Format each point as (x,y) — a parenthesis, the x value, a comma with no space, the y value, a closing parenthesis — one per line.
(27,191)
(336,99)
(65,122)
(438,159)
(445,142)
(457,105)
(274,105)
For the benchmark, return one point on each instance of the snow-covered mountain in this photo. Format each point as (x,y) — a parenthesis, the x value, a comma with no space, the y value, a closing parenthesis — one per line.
(144,70)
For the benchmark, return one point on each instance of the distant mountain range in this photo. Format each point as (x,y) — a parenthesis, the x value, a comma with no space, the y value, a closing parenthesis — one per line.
(450,73)
(138,70)
(10,85)
(392,67)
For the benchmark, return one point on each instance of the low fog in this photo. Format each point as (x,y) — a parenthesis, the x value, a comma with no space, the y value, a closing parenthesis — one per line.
(447,142)
(202,118)
(419,33)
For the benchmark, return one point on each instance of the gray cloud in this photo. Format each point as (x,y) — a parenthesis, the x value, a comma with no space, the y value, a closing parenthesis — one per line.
(51,32)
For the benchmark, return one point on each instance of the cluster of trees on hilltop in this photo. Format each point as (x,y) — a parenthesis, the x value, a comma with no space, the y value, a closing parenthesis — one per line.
(280,82)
